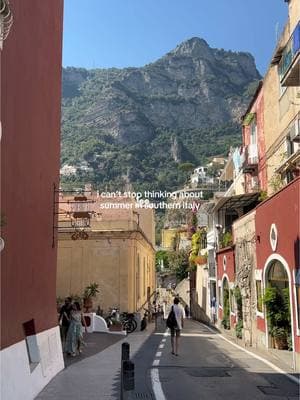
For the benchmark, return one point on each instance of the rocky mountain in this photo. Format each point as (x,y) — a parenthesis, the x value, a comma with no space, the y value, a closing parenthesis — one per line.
(136,125)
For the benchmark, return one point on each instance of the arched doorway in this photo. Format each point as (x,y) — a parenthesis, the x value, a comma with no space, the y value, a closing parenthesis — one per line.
(278,307)
(226,304)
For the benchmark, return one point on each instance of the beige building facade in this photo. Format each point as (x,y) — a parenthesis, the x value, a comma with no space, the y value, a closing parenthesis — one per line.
(282,105)
(118,254)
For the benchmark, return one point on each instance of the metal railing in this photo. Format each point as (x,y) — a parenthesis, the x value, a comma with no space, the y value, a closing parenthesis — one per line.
(290,52)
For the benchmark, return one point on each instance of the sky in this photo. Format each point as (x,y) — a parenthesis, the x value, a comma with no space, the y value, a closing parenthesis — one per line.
(132,33)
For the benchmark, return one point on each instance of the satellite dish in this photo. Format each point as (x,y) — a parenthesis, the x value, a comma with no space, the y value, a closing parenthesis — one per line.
(1,244)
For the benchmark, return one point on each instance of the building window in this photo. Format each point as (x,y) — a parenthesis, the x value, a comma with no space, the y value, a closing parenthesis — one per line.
(253,133)
(259,297)
(232,302)
(289,146)
(32,347)
(220,296)
(203,240)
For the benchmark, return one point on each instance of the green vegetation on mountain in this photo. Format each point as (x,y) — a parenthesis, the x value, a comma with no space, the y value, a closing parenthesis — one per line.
(142,126)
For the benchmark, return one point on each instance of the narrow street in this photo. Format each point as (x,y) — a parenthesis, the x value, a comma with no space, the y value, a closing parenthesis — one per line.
(208,367)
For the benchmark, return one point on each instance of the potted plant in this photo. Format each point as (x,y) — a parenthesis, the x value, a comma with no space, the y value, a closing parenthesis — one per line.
(89,293)
(201,259)
(280,338)
(226,240)
(116,325)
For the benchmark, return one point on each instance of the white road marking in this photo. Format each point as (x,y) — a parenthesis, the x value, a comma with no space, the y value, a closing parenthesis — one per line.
(196,334)
(163,340)
(156,385)
(274,367)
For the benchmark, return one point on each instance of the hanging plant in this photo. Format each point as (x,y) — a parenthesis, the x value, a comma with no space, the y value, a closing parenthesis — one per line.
(200,260)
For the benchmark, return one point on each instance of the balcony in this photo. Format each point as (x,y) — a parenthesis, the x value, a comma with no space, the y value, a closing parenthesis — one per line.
(291,164)
(289,65)
(251,159)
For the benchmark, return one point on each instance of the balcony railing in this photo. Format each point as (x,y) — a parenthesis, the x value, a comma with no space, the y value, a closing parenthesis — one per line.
(252,154)
(290,53)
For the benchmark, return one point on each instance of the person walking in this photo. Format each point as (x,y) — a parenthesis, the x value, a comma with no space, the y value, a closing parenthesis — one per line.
(213,309)
(187,311)
(64,319)
(74,339)
(175,332)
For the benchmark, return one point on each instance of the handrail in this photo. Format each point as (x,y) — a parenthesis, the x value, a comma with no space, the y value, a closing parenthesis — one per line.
(147,301)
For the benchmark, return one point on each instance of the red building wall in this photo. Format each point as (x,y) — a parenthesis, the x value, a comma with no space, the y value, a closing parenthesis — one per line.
(230,269)
(282,209)
(258,108)
(30,150)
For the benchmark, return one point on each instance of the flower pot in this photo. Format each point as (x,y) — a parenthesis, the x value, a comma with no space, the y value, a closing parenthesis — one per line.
(116,328)
(200,260)
(280,343)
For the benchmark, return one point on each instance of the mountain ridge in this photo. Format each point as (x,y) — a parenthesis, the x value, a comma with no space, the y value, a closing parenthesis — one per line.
(192,90)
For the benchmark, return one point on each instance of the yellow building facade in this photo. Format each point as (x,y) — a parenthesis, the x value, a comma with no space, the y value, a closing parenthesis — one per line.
(118,254)
(168,236)
(282,104)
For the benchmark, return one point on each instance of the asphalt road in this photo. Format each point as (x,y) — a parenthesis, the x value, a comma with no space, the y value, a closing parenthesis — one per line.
(208,367)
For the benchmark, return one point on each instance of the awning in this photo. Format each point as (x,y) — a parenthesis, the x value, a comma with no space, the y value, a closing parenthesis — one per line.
(234,202)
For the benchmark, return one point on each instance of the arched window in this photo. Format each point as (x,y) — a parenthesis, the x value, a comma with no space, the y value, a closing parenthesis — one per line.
(277,275)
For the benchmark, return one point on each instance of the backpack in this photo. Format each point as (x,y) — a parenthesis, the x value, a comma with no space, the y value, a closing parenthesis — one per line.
(171,320)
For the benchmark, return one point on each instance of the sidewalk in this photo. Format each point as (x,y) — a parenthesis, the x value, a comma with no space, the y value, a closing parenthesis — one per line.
(95,377)
(97,374)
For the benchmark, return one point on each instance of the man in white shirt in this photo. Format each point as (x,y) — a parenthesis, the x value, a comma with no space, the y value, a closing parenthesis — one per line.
(175,332)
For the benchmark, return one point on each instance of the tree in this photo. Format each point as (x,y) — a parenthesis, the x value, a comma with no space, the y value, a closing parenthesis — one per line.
(161,256)
(178,261)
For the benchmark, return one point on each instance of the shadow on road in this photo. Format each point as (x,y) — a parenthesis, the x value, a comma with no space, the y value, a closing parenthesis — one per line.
(95,343)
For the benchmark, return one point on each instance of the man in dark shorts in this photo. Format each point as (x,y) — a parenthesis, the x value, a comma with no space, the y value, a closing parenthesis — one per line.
(175,332)
(64,318)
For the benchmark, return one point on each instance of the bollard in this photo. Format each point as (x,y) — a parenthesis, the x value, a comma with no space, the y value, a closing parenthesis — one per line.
(125,351)
(128,375)
(124,357)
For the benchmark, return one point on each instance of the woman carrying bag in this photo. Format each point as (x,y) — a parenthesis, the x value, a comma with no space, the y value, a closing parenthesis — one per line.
(175,324)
